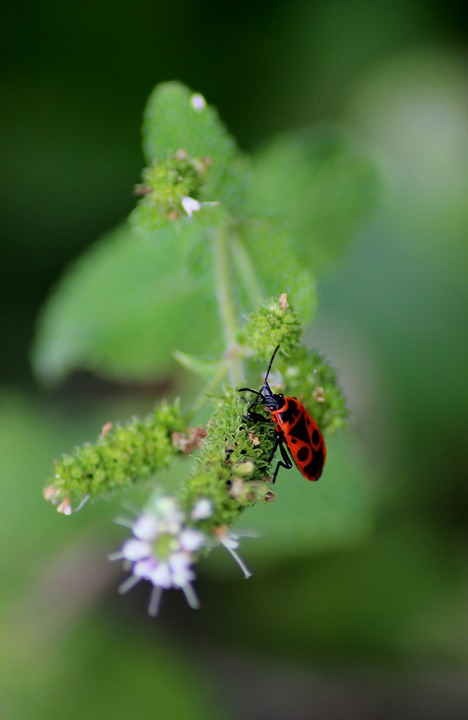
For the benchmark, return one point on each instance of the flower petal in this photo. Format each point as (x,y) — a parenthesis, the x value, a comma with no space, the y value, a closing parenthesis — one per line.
(202,509)
(136,550)
(191,540)
(181,569)
(145,527)
(198,102)
(160,575)
(144,568)
(190,205)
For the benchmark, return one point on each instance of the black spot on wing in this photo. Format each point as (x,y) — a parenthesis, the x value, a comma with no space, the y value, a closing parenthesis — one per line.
(315,467)
(315,437)
(303,454)
(291,412)
(300,430)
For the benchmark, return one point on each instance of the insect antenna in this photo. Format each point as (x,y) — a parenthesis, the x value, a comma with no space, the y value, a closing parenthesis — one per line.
(265,382)
(271,362)
(255,392)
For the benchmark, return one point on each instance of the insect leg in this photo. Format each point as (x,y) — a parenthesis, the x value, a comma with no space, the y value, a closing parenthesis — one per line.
(256,417)
(285,461)
(259,399)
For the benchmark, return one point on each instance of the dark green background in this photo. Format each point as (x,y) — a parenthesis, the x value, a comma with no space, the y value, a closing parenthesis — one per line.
(371,631)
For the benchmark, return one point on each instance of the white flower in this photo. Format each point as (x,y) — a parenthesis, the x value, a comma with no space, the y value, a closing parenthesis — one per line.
(198,102)
(202,509)
(190,205)
(162,551)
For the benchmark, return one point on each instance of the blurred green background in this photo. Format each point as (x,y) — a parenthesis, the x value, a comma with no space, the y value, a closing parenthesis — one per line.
(372,626)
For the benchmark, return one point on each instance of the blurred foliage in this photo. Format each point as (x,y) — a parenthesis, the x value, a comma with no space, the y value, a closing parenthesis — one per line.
(148,287)
(322,186)
(392,317)
(110,312)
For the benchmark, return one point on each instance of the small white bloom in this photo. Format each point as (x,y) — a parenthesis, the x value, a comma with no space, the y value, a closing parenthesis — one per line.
(190,205)
(198,102)
(202,509)
(65,507)
(162,551)
(52,494)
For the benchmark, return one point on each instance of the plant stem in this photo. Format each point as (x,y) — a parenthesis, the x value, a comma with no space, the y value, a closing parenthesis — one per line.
(203,397)
(247,272)
(226,304)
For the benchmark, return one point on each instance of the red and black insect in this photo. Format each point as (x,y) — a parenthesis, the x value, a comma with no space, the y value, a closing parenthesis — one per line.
(295,428)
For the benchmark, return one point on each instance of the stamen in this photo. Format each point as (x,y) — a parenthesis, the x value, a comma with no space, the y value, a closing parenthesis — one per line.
(238,560)
(128,584)
(83,502)
(124,522)
(115,556)
(155,600)
(190,596)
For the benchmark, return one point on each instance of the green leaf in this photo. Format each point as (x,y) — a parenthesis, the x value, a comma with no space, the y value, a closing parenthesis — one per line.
(267,266)
(320,185)
(174,121)
(199,365)
(125,305)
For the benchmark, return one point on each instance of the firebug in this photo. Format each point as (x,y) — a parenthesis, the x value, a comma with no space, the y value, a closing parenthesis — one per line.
(295,430)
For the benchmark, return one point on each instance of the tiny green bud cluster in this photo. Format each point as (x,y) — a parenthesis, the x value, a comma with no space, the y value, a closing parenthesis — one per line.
(273,323)
(168,187)
(123,455)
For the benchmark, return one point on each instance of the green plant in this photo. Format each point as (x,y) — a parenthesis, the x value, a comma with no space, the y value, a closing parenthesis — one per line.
(215,267)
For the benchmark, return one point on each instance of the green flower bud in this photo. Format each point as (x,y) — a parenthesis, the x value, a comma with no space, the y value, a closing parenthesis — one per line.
(123,455)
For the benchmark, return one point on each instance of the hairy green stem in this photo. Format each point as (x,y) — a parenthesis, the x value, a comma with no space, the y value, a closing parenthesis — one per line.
(246,271)
(210,387)
(226,305)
